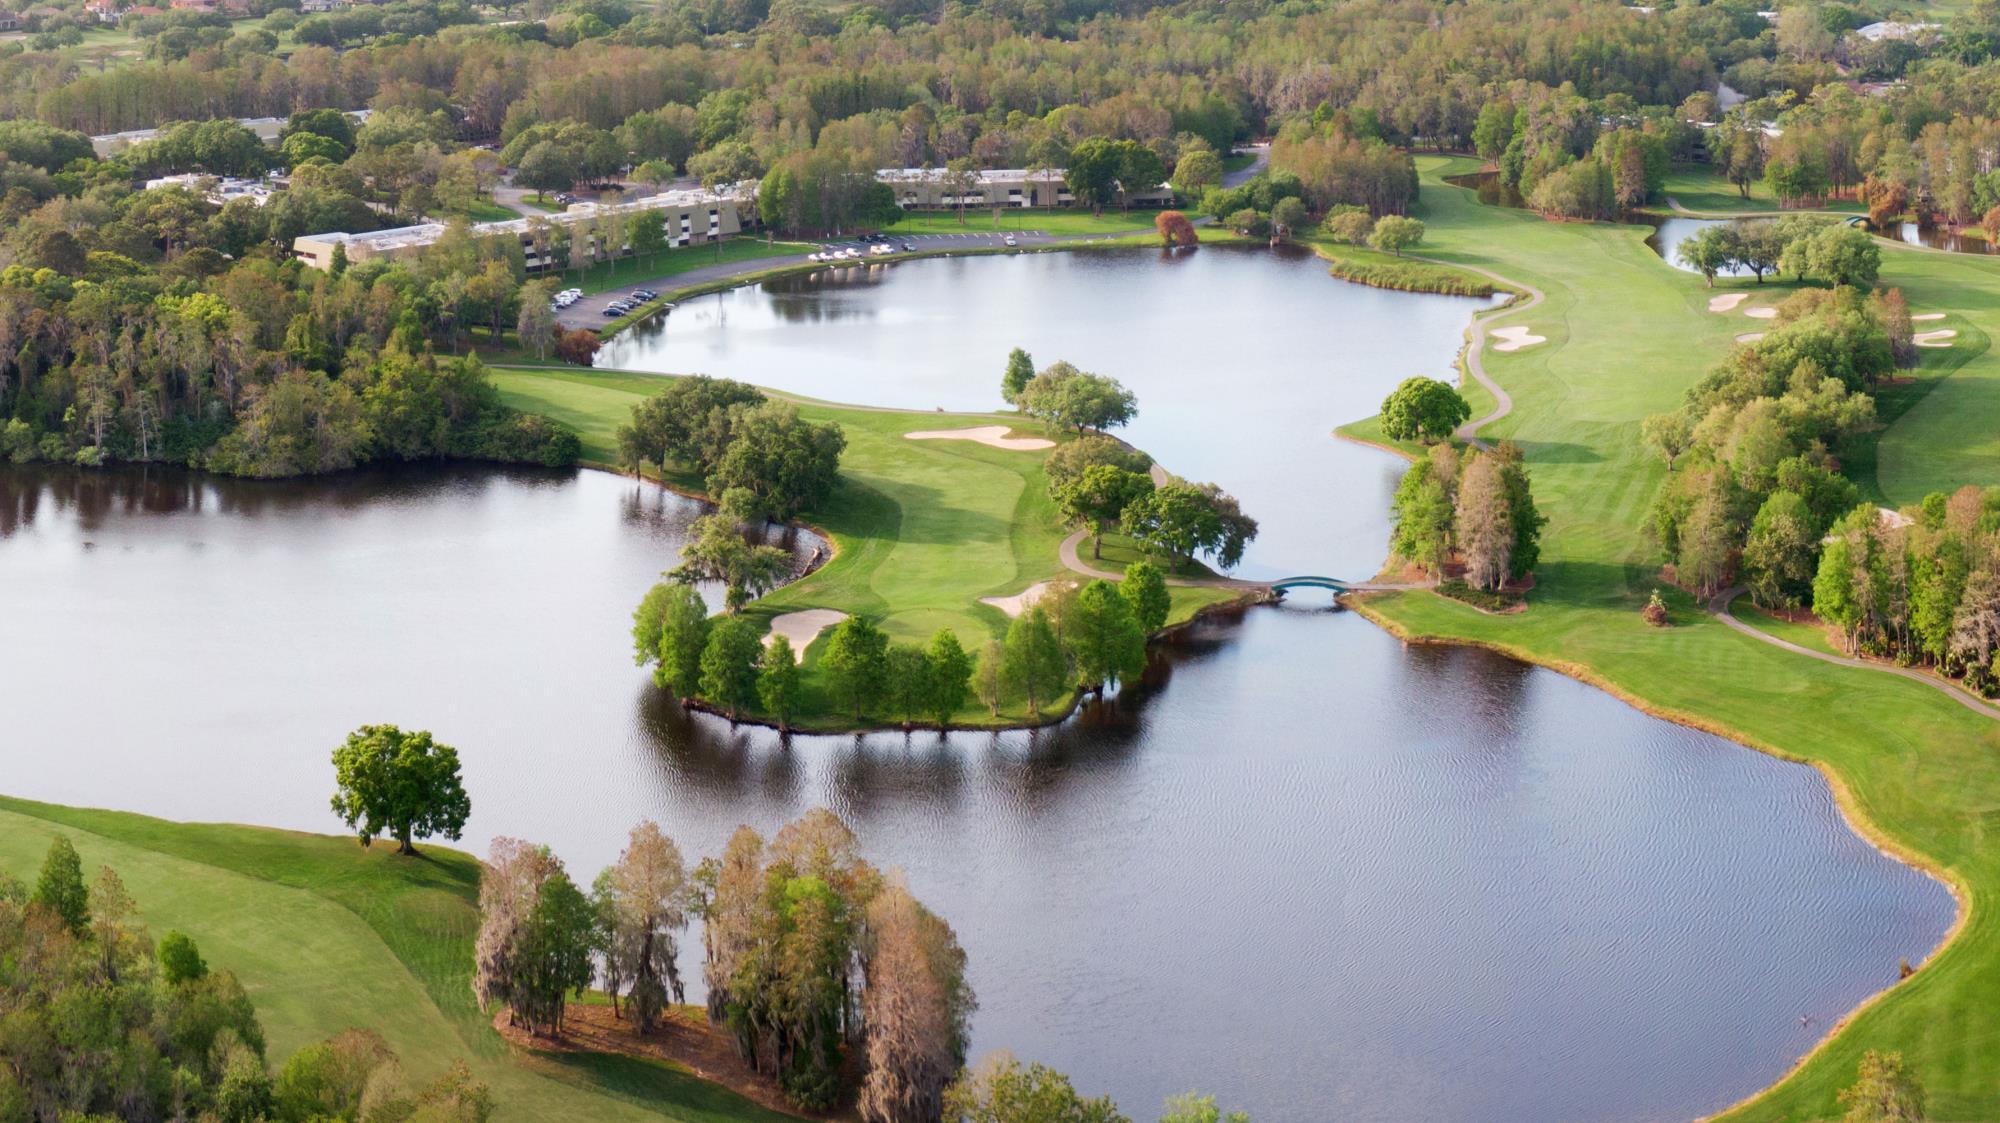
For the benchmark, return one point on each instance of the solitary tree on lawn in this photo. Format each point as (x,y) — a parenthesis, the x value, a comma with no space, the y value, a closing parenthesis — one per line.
(400,785)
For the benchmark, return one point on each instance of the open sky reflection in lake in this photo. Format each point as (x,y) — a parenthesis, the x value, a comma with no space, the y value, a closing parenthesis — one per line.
(1306,868)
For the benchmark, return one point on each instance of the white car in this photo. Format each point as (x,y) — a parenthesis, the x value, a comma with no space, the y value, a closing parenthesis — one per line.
(1011,241)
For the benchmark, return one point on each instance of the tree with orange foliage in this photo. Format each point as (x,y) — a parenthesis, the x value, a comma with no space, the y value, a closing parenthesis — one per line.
(1175,230)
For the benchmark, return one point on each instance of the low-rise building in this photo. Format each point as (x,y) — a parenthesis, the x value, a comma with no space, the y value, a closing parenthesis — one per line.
(217,189)
(1893,29)
(937,189)
(692,217)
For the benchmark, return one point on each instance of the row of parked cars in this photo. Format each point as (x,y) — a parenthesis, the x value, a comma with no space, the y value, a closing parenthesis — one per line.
(564,299)
(630,303)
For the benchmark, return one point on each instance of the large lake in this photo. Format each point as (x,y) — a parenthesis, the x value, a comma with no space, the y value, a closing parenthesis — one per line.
(1305,867)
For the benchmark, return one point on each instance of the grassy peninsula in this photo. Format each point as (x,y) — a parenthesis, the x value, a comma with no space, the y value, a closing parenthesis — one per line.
(922,530)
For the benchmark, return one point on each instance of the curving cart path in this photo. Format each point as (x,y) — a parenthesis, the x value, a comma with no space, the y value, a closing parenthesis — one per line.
(1718,606)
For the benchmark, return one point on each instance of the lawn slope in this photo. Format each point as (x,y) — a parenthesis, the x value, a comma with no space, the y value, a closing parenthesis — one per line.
(326,935)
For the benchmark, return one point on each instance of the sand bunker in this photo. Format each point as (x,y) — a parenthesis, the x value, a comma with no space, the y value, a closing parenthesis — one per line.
(1761,313)
(1020,602)
(1725,303)
(803,627)
(1934,338)
(1515,338)
(1927,316)
(994,436)
(1750,337)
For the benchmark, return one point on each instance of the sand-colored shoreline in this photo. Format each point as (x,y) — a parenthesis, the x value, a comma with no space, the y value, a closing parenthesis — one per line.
(992,436)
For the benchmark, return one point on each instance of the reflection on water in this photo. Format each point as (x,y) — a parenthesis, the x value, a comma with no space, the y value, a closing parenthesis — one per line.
(1941,238)
(1491,190)
(1322,875)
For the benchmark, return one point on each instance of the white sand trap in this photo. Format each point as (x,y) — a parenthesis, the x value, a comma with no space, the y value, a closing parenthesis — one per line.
(1927,316)
(1020,602)
(1761,313)
(1934,338)
(1515,338)
(1725,303)
(804,627)
(994,436)
(1750,337)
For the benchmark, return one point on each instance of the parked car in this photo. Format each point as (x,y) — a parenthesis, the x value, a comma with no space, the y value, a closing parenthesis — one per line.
(1011,241)
(909,247)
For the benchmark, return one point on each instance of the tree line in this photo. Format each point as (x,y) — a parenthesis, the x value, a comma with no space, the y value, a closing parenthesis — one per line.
(1075,637)
(810,955)
(1754,452)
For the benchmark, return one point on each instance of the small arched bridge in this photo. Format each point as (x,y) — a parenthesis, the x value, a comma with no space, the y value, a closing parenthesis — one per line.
(1312,582)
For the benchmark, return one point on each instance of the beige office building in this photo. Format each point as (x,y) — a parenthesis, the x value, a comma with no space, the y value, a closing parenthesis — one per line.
(691,217)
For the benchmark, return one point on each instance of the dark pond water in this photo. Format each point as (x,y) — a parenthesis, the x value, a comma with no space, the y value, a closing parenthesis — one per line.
(1305,867)
(1940,238)
(1492,191)
(1669,233)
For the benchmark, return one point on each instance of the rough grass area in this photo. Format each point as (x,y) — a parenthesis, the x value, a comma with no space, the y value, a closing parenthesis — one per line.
(1380,270)
(922,529)
(327,935)
(1914,770)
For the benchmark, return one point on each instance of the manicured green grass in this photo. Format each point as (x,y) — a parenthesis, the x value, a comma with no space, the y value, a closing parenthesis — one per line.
(922,529)
(1627,335)
(1053,221)
(486,210)
(1806,633)
(326,935)
(1699,187)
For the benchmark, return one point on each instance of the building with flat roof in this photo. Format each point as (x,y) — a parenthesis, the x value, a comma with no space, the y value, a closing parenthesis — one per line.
(928,189)
(217,189)
(266,128)
(691,217)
